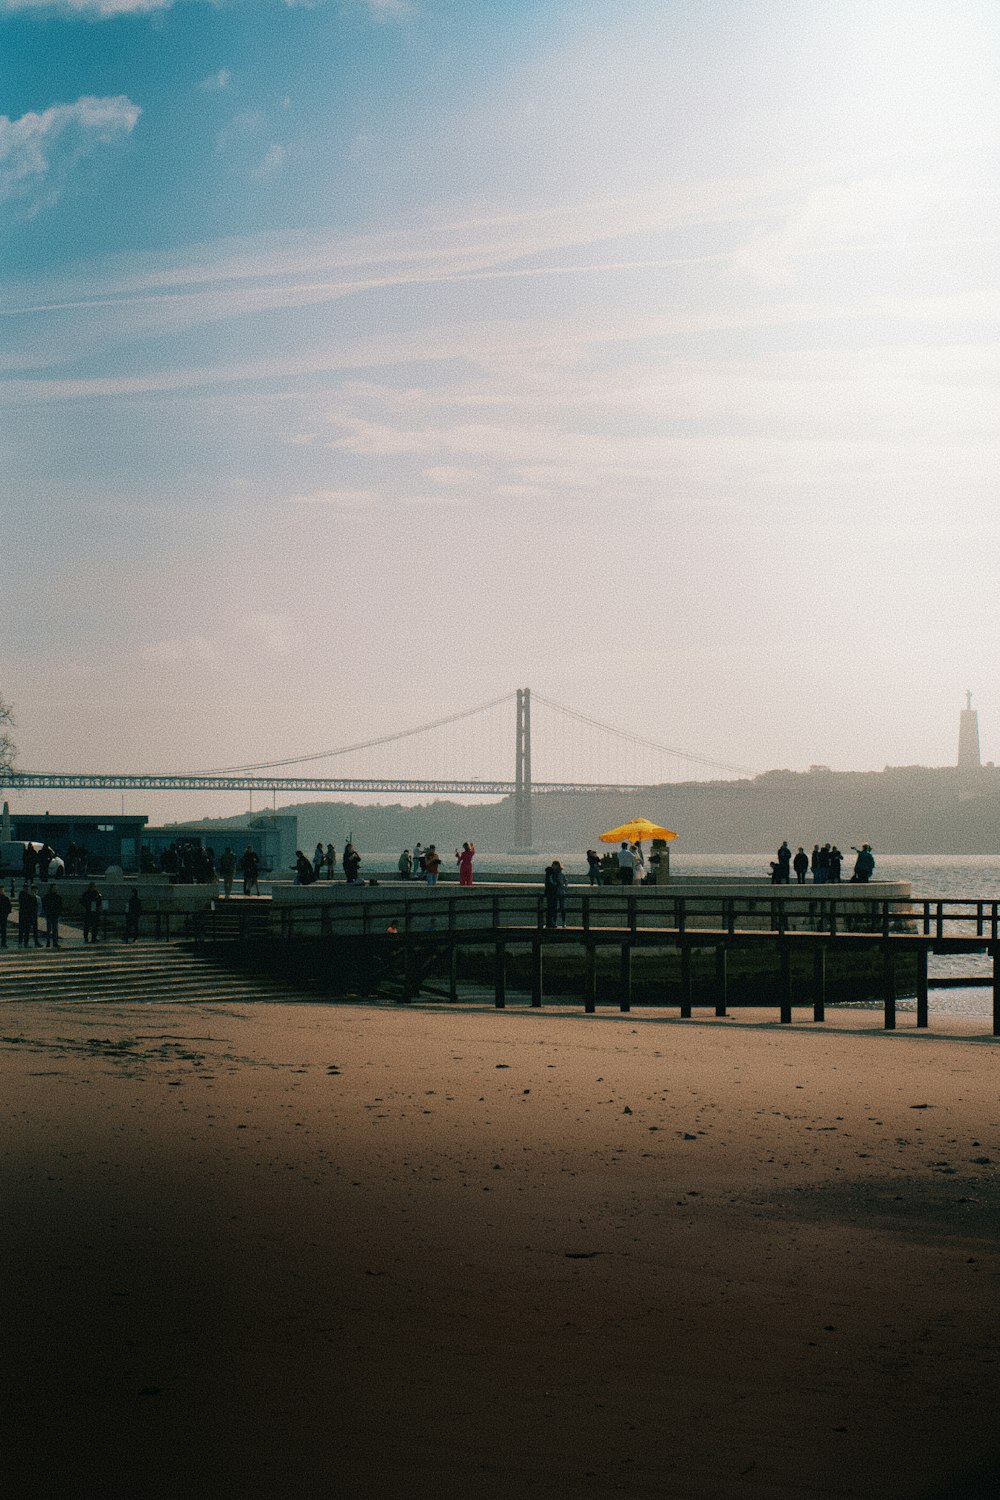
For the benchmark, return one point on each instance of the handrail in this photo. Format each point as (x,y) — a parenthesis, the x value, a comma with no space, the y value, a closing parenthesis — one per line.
(623,910)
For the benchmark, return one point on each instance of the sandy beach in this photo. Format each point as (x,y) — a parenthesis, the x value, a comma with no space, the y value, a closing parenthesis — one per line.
(370,1251)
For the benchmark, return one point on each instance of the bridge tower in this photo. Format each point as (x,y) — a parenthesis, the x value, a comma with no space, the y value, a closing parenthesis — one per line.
(968,737)
(522,772)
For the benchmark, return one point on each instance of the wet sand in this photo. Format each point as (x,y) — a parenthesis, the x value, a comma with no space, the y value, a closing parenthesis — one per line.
(362,1251)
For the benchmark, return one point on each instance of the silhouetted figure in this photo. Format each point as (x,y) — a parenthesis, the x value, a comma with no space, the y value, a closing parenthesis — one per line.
(836,859)
(52,905)
(352,863)
(29,862)
(593,868)
(823,864)
(465,858)
(46,855)
(250,865)
(133,911)
(305,873)
(93,904)
(800,864)
(227,869)
(814,862)
(6,907)
(405,865)
(864,865)
(784,863)
(319,860)
(27,917)
(555,895)
(331,862)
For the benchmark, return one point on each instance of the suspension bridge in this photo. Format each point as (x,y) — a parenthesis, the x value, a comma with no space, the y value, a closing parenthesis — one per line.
(570,733)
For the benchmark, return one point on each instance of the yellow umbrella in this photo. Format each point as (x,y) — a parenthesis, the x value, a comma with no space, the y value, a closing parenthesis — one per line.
(636,830)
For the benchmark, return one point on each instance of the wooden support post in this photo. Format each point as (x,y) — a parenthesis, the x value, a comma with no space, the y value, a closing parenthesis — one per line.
(721,981)
(499,976)
(819,983)
(786,984)
(922,987)
(889,984)
(537,971)
(408,984)
(590,979)
(625,998)
(686,984)
(996,989)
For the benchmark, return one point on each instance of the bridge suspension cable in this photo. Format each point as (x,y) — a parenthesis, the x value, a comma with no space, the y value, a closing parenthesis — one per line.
(385,739)
(638,739)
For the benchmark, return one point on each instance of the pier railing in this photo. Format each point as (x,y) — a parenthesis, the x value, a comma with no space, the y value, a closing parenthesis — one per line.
(620,911)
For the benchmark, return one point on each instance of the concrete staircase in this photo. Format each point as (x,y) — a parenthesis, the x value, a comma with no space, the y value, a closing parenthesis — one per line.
(125,974)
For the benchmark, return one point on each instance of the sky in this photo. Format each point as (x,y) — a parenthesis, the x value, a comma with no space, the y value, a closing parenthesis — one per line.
(364,360)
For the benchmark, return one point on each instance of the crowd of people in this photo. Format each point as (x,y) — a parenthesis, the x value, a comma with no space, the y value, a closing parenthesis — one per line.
(825,864)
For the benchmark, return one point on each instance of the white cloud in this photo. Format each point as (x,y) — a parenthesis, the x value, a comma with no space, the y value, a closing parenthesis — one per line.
(39,152)
(101,8)
(242,127)
(389,10)
(272,164)
(216,82)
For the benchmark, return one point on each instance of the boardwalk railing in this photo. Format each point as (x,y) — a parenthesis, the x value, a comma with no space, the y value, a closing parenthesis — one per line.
(400,933)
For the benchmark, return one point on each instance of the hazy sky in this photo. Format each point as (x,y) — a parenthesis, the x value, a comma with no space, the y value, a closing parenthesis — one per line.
(367,359)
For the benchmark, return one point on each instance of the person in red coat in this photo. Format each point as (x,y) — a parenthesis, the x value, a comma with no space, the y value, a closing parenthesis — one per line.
(465,859)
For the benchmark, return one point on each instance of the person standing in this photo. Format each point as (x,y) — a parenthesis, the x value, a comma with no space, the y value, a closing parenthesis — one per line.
(250,866)
(835,860)
(814,862)
(93,904)
(227,869)
(405,865)
(352,863)
(319,860)
(864,865)
(52,910)
(593,867)
(626,865)
(465,859)
(331,862)
(27,917)
(133,911)
(784,863)
(800,864)
(432,864)
(640,863)
(6,907)
(555,895)
(418,860)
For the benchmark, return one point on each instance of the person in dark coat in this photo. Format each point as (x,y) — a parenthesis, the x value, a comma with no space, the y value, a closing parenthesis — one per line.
(836,860)
(133,911)
(784,863)
(594,876)
(52,904)
(93,904)
(27,917)
(800,864)
(6,907)
(352,863)
(864,865)
(555,895)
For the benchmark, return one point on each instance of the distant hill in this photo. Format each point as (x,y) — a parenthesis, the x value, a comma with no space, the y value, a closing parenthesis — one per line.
(901,810)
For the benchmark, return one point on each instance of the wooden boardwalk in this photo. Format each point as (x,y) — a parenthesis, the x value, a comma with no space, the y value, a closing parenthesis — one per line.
(402,942)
